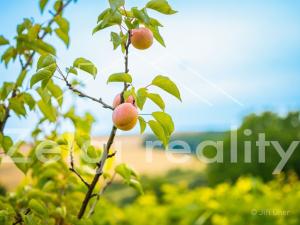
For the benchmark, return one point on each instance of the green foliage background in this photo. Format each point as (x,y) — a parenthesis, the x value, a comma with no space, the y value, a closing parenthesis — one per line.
(283,129)
(171,199)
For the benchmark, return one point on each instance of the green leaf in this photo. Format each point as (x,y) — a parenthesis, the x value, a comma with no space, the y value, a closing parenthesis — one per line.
(57,5)
(92,153)
(116,39)
(63,31)
(38,207)
(141,15)
(61,211)
(129,176)
(157,35)
(63,23)
(158,130)
(165,121)
(156,98)
(2,112)
(103,15)
(130,92)
(6,142)
(21,78)
(155,23)
(131,24)
(143,124)
(56,92)
(29,100)
(126,13)
(33,32)
(48,30)
(115,4)
(110,18)
(43,4)
(43,47)
(72,70)
(120,77)
(124,171)
(17,105)
(141,97)
(63,36)
(167,85)
(136,185)
(23,26)
(9,54)
(161,6)
(85,65)
(45,95)
(6,89)
(3,40)
(42,75)
(45,60)
(23,165)
(48,111)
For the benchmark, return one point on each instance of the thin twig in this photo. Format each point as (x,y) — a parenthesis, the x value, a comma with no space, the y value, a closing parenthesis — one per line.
(80,177)
(72,168)
(58,78)
(51,13)
(111,155)
(100,193)
(80,93)
(148,86)
(121,26)
(21,62)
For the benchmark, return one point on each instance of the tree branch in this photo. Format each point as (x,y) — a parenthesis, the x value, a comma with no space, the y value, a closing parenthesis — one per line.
(111,155)
(108,145)
(100,193)
(28,63)
(80,93)
(98,174)
(72,168)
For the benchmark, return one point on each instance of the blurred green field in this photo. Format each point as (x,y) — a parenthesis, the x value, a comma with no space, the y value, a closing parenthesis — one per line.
(183,198)
(185,194)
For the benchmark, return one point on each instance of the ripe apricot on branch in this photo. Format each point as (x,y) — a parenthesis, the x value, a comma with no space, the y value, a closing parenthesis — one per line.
(141,38)
(125,116)
(117,100)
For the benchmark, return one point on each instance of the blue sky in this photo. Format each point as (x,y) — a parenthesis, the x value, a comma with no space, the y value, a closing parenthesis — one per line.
(229,58)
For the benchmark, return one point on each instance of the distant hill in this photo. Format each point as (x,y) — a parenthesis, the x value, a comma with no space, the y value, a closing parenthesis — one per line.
(193,139)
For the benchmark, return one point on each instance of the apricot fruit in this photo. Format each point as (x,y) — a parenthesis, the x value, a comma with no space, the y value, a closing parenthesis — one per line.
(141,38)
(117,100)
(125,116)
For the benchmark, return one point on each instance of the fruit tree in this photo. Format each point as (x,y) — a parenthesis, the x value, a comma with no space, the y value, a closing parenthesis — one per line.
(53,185)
